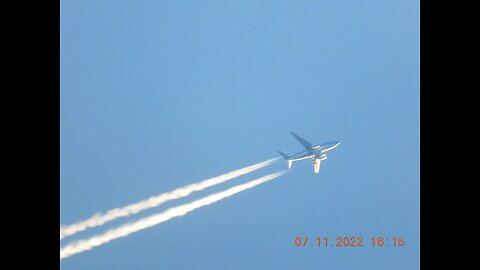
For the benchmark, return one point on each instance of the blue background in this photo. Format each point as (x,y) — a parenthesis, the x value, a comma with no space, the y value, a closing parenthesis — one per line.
(159,94)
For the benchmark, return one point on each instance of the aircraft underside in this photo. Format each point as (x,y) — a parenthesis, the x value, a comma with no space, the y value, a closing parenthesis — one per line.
(316,153)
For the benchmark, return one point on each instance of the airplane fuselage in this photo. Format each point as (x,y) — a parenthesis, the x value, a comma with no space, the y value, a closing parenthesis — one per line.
(317,151)
(329,146)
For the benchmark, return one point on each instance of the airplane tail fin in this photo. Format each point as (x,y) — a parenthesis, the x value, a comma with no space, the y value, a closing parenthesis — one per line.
(285,156)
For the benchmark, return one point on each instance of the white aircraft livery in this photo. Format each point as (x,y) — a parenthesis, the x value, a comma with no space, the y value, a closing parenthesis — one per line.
(316,153)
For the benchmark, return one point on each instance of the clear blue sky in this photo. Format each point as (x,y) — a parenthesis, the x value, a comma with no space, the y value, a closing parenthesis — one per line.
(159,94)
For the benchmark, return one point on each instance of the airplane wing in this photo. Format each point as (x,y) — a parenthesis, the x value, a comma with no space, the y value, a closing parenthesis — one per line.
(316,165)
(301,140)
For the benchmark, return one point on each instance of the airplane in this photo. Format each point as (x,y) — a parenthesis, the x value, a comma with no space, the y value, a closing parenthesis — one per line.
(314,152)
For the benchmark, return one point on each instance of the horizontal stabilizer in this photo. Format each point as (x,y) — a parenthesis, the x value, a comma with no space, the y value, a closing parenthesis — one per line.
(285,156)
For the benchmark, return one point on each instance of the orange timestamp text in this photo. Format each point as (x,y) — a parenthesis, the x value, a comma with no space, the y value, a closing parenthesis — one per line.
(347,241)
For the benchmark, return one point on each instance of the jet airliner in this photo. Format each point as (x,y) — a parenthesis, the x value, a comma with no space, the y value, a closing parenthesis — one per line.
(314,152)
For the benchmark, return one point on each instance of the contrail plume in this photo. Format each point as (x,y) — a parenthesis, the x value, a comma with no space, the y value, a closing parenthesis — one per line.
(144,223)
(102,218)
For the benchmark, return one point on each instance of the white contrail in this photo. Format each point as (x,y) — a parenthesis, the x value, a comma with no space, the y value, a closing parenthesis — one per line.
(144,223)
(102,218)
